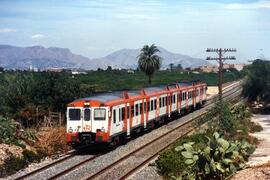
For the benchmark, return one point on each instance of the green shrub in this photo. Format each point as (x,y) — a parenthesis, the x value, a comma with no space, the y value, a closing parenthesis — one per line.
(218,159)
(169,162)
(12,133)
(14,163)
(255,128)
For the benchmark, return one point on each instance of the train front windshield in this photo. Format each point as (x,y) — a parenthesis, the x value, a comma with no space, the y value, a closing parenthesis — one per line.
(74,114)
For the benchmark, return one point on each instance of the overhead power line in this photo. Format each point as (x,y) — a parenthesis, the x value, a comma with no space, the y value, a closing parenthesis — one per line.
(220,59)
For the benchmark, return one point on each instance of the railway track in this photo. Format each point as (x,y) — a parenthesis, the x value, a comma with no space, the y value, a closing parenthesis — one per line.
(122,168)
(187,126)
(226,89)
(66,157)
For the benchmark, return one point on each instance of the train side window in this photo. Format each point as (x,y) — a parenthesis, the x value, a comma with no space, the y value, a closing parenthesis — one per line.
(183,96)
(132,111)
(163,101)
(166,101)
(123,114)
(148,106)
(152,105)
(136,109)
(160,102)
(174,99)
(144,104)
(141,108)
(120,114)
(114,116)
(128,112)
(155,104)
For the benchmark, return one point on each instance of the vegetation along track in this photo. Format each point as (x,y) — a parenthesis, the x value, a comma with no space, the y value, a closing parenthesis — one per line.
(227,89)
(154,145)
(128,164)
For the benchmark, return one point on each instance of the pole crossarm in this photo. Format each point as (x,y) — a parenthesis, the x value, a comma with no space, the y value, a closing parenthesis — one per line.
(221,58)
(222,50)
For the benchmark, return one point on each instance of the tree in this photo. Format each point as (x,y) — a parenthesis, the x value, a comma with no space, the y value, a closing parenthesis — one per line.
(148,61)
(179,67)
(109,68)
(257,84)
(171,66)
(1,69)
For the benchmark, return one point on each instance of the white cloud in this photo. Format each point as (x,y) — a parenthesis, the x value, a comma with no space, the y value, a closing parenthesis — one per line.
(255,5)
(38,36)
(7,30)
(133,16)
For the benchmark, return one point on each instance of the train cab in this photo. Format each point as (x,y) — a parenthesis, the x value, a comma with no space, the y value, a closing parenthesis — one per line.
(87,121)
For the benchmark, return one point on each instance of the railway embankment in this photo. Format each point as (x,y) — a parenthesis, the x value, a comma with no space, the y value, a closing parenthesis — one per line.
(227,153)
(259,161)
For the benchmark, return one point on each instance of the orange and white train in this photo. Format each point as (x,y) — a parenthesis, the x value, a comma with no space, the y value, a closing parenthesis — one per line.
(112,117)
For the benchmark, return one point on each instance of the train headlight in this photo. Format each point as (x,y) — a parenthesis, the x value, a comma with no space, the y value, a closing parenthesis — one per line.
(86,103)
(102,129)
(70,130)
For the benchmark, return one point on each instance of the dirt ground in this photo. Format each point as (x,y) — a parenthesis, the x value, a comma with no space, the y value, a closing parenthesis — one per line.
(212,90)
(259,162)
(7,150)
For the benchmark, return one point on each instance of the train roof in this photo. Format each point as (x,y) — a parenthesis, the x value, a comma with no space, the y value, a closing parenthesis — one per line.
(118,95)
(111,95)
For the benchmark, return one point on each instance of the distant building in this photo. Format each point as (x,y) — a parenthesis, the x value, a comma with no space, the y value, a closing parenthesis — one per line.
(78,72)
(195,72)
(208,68)
(130,71)
(32,68)
(54,70)
(238,67)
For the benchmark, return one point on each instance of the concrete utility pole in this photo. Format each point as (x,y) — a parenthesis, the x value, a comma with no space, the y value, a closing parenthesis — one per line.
(220,59)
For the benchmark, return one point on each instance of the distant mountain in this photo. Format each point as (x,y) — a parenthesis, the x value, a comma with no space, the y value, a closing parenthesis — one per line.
(127,58)
(22,57)
(12,57)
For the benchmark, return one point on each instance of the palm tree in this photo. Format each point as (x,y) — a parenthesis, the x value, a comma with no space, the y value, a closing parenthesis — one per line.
(148,61)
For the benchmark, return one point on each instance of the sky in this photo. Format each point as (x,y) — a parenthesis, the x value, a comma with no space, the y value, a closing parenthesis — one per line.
(95,28)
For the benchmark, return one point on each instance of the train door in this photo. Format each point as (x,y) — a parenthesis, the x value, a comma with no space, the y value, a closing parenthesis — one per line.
(144,113)
(87,120)
(117,119)
(127,124)
(174,102)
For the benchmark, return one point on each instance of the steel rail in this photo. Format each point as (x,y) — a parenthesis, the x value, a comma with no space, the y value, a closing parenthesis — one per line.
(132,171)
(68,156)
(102,171)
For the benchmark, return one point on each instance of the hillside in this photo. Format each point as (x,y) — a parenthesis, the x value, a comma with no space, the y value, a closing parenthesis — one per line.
(12,57)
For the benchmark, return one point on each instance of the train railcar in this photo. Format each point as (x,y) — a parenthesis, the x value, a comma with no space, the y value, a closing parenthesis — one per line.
(110,117)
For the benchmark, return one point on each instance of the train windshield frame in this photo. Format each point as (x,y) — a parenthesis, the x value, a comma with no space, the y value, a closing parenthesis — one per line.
(100,114)
(74,114)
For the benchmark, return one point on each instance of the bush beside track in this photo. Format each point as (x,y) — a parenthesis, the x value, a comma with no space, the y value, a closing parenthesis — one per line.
(22,93)
(202,154)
